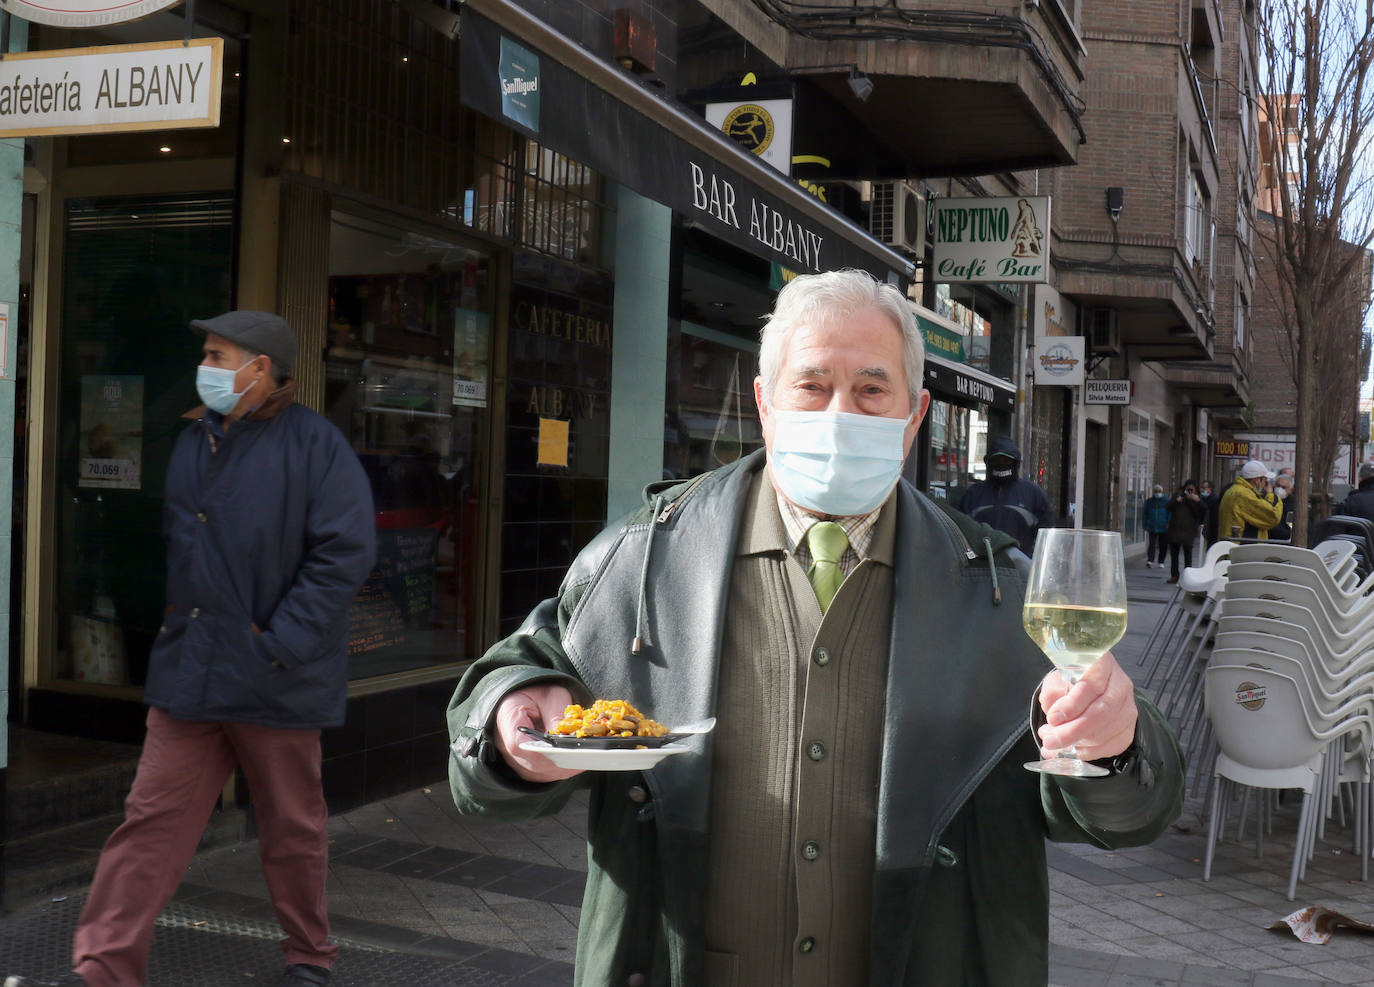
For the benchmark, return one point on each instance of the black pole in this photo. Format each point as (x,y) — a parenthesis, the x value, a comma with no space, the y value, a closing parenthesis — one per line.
(190,11)
(4,33)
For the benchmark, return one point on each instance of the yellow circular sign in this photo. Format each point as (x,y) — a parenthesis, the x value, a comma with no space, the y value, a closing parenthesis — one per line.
(751,125)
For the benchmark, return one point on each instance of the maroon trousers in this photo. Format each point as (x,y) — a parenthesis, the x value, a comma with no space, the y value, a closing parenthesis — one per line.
(183,769)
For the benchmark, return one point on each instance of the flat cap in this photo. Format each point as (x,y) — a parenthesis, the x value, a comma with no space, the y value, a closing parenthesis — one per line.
(261,332)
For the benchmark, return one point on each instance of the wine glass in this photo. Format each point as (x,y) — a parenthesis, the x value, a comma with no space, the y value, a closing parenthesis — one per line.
(1075,611)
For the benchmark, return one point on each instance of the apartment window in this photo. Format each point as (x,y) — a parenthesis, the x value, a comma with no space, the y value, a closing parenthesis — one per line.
(1242,311)
(1197,223)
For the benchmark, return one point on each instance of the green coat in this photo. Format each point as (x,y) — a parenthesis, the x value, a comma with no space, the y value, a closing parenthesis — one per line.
(960,883)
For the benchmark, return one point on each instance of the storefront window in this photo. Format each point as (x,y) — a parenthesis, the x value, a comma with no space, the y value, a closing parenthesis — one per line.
(406,379)
(1138,467)
(557,426)
(138,269)
(713,419)
(722,296)
(954,454)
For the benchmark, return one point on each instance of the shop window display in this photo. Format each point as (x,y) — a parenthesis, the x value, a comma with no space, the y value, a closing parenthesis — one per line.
(406,379)
(147,266)
(954,457)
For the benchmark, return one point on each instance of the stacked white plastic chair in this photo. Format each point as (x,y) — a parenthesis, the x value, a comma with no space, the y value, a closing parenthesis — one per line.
(1192,605)
(1295,641)
(1272,736)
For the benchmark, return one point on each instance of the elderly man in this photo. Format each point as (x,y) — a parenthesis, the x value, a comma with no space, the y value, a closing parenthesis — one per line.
(860,814)
(270,533)
(1249,507)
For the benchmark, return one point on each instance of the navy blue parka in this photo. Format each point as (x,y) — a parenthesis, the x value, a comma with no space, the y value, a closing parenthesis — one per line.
(1015,506)
(270,533)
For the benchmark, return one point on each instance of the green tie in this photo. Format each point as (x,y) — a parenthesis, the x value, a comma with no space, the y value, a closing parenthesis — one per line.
(827,542)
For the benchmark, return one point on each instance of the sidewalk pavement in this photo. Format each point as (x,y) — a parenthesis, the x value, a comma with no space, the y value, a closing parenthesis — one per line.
(423,897)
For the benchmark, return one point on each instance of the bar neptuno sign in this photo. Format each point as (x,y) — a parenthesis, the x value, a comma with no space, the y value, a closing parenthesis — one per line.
(113,88)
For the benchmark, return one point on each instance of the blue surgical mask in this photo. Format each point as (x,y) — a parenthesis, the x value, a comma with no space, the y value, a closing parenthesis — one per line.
(836,463)
(216,388)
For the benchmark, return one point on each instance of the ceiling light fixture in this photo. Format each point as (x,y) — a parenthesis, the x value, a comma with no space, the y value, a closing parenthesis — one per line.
(860,85)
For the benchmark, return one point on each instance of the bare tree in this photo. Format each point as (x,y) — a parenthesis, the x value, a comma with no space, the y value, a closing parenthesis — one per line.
(1316,59)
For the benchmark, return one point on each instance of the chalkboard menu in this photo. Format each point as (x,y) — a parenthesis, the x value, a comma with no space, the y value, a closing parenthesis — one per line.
(399,594)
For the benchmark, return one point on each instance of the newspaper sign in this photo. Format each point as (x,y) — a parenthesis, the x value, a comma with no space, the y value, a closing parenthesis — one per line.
(161,85)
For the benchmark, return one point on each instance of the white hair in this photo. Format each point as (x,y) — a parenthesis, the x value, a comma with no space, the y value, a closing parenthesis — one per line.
(829,298)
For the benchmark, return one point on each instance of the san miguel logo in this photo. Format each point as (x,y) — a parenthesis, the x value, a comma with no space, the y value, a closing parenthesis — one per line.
(751,125)
(1250,695)
(1059,361)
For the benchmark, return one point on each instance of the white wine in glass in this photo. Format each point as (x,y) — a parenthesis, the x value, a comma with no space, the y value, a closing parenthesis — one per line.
(1075,611)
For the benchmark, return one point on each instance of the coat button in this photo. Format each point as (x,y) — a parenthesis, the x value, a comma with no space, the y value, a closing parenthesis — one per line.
(822,657)
(636,980)
(815,750)
(811,849)
(638,794)
(807,944)
(195,612)
(200,517)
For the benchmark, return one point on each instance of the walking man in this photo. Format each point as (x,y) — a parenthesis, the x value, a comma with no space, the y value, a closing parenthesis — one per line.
(270,533)
(1155,517)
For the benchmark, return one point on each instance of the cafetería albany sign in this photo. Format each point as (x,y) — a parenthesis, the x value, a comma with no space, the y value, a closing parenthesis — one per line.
(113,88)
(993,239)
(83,13)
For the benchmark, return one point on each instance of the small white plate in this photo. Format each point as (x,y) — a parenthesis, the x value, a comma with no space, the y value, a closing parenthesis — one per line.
(591,759)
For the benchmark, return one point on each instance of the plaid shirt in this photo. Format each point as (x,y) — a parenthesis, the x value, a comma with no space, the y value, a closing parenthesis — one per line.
(858,529)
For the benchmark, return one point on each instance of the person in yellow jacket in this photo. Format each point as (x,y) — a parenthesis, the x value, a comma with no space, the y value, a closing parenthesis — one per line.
(1249,507)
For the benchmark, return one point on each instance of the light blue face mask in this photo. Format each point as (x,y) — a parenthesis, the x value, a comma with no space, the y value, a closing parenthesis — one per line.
(216,388)
(834,462)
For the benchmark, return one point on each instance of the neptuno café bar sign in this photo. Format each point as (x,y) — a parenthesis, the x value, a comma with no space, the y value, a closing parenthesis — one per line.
(993,239)
(114,88)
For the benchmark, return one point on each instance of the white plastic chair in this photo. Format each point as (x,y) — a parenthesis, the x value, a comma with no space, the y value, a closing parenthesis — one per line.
(1189,597)
(1267,741)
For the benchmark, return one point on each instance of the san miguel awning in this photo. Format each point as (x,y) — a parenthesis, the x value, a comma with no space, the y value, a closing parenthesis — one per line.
(519,70)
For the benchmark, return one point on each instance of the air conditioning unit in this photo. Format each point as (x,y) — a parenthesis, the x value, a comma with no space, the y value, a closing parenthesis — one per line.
(1104,336)
(897,216)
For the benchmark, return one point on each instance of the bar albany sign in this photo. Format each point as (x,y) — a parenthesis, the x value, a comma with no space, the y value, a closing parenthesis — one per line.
(109,89)
(996,240)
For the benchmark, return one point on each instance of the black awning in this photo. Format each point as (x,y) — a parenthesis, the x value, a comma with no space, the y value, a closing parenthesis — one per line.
(542,84)
(966,385)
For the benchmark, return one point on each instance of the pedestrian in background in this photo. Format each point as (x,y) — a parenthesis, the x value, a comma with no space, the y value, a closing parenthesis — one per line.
(1360,501)
(1186,514)
(1283,490)
(1213,502)
(1155,518)
(1249,507)
(270,533)
(1015,506)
